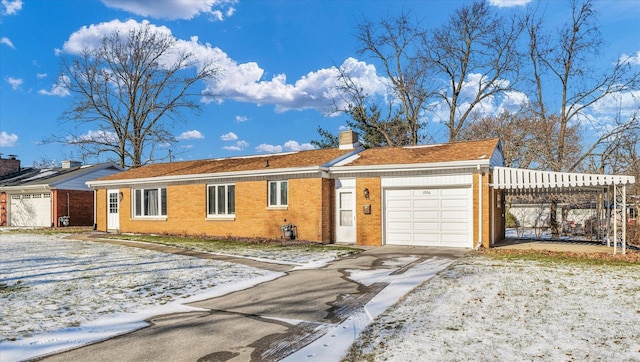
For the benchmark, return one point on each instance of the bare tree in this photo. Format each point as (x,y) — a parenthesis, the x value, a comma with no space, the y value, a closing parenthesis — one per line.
(392,46)
(130,88)
(478,43)
(561,65)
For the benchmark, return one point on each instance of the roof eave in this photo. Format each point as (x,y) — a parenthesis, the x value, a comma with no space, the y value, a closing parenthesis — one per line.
(449,165)
(209,176)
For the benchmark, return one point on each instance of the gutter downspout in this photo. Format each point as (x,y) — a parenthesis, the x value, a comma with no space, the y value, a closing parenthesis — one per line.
(479,209)
(95,209)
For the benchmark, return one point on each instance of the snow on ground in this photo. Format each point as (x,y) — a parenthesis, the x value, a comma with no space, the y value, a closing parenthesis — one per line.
(56,294)
(335,343)
(484,309)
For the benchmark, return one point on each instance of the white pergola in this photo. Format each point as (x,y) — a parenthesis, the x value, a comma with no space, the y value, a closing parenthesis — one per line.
(517,181)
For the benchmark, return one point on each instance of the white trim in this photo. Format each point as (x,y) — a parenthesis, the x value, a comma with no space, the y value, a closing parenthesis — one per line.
(516,178)
(410,167)
(211,177)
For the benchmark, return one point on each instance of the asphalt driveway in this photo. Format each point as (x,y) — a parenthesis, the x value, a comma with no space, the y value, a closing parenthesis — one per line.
(272,320)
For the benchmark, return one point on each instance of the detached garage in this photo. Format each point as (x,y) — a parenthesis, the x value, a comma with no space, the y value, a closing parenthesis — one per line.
(56,196)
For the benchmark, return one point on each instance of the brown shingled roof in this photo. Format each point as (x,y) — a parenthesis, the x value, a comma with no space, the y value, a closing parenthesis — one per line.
(448,152)
(237,164)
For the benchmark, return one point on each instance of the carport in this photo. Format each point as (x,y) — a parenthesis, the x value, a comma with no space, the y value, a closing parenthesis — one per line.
(611,189)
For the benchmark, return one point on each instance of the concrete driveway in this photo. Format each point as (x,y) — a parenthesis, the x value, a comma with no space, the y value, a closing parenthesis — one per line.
(278,318)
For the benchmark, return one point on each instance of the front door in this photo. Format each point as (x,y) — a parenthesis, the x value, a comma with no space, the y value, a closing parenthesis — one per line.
(113,209)
(346,216)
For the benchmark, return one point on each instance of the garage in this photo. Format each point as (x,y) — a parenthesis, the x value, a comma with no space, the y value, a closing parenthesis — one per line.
(429,217)
(30,209)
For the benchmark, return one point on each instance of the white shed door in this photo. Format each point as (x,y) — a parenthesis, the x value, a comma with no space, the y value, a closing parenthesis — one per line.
(30,210)
(429,217)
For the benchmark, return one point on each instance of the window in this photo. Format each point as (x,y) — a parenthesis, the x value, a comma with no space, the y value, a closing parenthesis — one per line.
(278,193)
(221,200)
(150,202)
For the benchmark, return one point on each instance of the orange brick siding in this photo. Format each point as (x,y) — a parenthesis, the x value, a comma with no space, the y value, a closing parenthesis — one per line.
(187,211)
(491,216)
(101,210)
(369,227)
(78,205)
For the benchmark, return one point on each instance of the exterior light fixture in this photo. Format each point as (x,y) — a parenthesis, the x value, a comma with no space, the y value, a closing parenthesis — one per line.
(366,193)
(120,196)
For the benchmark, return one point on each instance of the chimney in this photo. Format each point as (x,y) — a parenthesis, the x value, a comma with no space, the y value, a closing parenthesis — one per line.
(9,165)
(70,164)
(349,140)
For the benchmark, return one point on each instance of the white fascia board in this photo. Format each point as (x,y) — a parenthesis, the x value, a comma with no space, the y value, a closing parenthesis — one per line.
(24,189)
(321,171)
(484,164)
(346,158)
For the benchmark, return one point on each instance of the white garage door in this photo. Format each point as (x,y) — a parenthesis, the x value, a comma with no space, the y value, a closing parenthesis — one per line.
(30,210)
(429,217)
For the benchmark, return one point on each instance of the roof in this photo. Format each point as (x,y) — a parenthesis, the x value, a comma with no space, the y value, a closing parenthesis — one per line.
(317,158)
(439,153)
(33,177)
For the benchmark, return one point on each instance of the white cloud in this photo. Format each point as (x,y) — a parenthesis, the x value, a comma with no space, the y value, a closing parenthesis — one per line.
(623,103)
(631,59)
(190,135)
(175,9)
(59,89)
(15,82)
(316,90)
(269,148)
(99,136)
(41,75)
(295,146)
(91,37)
(244,82)
(10,7)
(508,3)
(239,146)
(6,41)
(8,140)
(229,137)
(241,119)
(289,146)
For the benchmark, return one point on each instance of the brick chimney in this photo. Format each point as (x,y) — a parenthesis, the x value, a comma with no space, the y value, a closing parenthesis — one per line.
(9,165)
(349,140)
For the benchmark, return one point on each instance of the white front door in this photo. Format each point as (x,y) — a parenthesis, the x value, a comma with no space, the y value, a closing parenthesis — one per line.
(345,216)
(113,209)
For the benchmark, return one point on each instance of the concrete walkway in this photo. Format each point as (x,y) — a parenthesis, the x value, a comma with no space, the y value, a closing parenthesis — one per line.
(269,321)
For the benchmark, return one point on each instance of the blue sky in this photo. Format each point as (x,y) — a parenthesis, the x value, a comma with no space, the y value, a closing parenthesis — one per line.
(278,59)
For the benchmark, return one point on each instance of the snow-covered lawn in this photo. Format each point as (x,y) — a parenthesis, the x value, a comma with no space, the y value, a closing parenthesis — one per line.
(494,310)
(57,293)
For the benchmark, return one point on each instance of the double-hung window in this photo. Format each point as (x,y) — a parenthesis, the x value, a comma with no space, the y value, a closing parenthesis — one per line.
(278,193)
(150,202)
(221,200)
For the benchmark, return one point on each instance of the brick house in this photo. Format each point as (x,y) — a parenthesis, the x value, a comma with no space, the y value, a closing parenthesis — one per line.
(436,195)
(50,197)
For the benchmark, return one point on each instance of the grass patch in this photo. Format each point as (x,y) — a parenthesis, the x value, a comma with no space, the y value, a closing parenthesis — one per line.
(234,244)
(49,231)
(631,258)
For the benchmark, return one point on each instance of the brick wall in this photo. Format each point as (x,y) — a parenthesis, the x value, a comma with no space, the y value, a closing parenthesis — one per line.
(80,207)
(101,210)
(369,226)
(187,212)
